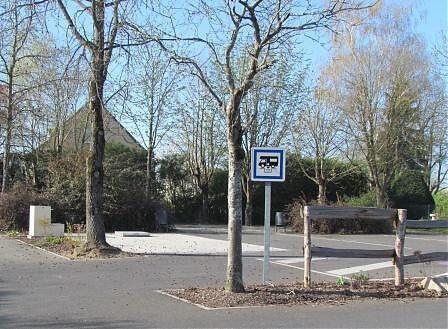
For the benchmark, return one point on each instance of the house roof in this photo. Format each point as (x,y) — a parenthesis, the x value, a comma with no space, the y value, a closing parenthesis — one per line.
(76,132)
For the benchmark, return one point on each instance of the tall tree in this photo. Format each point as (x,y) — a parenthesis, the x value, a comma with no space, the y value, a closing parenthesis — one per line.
(99,40)
(149,101)
(16,29)
(260,30)
(318,134)
(270,109)
(380,72)
(202,130)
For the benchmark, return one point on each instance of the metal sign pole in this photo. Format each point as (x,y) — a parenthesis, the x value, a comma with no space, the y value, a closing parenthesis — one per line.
(267,230)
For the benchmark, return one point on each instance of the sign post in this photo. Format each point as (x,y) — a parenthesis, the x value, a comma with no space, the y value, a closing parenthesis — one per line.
(267,165)
(267,230)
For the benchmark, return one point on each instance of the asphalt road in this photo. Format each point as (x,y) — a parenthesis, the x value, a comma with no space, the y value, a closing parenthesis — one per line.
(38,290)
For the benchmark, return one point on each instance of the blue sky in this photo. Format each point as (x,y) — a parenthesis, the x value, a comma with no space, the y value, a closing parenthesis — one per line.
(431,20)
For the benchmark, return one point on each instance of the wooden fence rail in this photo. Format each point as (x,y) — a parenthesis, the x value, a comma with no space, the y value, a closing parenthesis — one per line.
(326,212)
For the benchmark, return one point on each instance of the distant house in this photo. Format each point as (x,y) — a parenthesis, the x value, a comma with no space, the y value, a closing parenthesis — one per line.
(75,133)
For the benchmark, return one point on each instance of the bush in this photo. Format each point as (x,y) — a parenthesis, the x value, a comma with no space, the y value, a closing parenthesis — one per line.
(15,208)
(179,190)
(218,197)
(330,226)
(125,204)
(65,188)
(409,191)
(441,201)
(367,199)
(297,185)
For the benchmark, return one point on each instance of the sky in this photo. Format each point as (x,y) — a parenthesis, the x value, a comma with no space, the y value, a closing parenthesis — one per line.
(430,17)
(431,20)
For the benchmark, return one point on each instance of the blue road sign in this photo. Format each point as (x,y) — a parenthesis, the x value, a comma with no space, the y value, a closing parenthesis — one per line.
(268,164)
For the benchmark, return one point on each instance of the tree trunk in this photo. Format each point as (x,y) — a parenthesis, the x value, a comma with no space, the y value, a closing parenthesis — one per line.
(96,235)
(151,225)
(236,155)
(322,196)
(7,152)
(205,204)
(248,219)
(382,200)
(8,136)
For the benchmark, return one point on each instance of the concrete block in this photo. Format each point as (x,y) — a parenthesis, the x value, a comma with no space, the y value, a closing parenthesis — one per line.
(56,229)
(40,223)
(128,234)
(40,220)
(438,284)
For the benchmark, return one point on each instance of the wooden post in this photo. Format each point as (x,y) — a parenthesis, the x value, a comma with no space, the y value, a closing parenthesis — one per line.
(306,247)
(399,247)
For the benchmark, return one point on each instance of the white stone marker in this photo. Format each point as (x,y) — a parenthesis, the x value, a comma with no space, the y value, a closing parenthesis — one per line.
(40,223)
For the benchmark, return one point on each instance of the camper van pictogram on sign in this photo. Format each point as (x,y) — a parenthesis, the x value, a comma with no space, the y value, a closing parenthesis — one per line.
(268,164)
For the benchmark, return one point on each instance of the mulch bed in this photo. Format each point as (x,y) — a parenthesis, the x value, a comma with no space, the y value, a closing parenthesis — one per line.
(327,293)
(74,249)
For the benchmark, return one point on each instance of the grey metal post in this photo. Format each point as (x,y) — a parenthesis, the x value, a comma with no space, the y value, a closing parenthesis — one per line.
(267,230)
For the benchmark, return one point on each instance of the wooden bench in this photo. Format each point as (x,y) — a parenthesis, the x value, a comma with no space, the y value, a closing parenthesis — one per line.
(398,216)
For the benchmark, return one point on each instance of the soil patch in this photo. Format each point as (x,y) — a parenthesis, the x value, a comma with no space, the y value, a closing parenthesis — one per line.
(328,293)
(74,249)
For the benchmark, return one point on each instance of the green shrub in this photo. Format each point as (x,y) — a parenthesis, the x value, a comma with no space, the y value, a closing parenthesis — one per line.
(178,188)
(218,197)
(64,187)
(298,185)
(54,240)
(367,199)
(441,201)
(13,233)
(330,226)
(409,191)
(341,281)
(125,204)
(360,277)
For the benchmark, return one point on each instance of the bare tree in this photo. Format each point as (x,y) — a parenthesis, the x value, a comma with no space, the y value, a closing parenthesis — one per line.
(202,132)
(99,40)
(431,147)
(16,28)
(318,134)
(59,79)
(149,101)
(270,109)
(258,29)
(381,74)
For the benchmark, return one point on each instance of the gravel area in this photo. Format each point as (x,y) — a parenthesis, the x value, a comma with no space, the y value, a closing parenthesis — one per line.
(294,294)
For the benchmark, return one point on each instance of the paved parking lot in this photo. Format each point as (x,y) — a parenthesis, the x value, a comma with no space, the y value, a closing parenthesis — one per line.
(39,290)
(286,250)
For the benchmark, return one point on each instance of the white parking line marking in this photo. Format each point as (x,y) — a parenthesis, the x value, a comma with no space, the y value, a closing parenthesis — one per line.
(293,260)
(363,268)
(301,268)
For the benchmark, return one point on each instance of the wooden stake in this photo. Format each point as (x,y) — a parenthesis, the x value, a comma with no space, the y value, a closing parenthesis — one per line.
(306,247)
(399,247)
